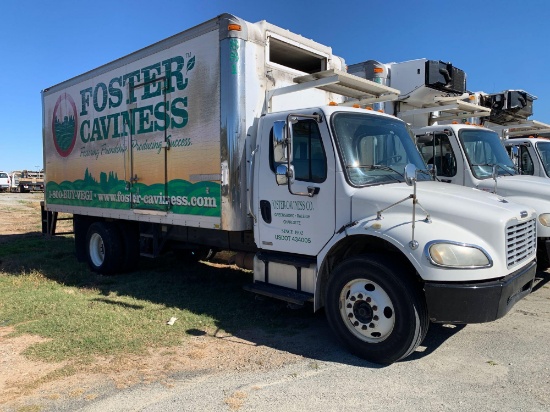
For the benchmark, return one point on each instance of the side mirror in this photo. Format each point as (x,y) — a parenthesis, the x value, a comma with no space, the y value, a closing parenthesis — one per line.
(515,152)
(410,174)
(281,144)
(284,175)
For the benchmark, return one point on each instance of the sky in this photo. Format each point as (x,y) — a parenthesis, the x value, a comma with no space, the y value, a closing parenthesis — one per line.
(500,44)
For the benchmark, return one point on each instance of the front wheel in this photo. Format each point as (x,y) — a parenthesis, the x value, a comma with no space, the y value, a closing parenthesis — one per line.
(375,310)
(104,249)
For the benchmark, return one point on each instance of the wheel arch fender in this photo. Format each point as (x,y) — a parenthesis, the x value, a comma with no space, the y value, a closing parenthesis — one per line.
(360,244)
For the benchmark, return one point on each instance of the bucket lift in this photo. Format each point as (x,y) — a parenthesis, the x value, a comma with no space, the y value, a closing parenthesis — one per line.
(432,91)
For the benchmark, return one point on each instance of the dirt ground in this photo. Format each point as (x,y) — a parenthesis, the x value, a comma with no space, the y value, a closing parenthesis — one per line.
(20,214)
(25,382)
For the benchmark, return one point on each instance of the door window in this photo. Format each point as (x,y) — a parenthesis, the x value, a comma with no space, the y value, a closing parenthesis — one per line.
(309,158)
(525,162)
(439,153)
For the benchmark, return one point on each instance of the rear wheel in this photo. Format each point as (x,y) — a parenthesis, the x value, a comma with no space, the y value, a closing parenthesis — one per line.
(104,248)
(375,310)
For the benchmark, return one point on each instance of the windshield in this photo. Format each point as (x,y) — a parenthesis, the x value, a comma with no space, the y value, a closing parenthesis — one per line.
(484,150)
(375,149)
(544,152)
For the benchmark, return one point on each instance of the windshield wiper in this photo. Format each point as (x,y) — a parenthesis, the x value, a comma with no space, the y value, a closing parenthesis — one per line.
(427,172)
(376,167)
(495,164)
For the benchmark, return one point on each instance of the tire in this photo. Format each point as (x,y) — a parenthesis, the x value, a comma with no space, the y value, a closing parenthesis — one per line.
(104,248)
(375,310)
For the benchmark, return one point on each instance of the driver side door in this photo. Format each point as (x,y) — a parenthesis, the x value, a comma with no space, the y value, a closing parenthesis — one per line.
(296,223)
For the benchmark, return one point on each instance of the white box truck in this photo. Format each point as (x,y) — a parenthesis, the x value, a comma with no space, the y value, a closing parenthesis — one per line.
(435,102)
(229,136)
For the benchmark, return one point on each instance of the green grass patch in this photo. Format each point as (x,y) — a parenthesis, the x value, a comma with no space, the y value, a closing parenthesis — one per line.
(46,292)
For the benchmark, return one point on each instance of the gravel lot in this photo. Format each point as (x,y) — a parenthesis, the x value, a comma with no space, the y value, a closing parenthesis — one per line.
(499,366)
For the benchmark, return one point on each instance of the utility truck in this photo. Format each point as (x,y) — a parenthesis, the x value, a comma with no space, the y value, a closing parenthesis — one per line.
(435,102)
(510,112)
(238,136)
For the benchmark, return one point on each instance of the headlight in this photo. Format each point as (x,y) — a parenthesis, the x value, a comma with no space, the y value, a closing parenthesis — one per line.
(457,255)
(544,219)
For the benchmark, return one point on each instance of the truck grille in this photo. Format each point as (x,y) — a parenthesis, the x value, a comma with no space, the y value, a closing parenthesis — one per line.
(521,242)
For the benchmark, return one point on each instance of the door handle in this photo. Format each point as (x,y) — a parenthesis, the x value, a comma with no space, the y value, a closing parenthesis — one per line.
(313,190)
(265,210)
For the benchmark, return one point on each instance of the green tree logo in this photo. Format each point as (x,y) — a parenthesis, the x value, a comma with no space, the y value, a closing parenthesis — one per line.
(64,124)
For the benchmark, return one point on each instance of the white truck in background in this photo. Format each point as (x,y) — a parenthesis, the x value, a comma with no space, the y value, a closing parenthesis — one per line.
(238,136)
(4,182)
(435,102)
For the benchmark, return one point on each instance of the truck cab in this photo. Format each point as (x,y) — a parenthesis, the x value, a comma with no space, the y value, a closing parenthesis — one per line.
(531,156)
(348,214)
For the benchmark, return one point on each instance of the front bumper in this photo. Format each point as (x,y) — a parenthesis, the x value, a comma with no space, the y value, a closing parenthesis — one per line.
(478,302)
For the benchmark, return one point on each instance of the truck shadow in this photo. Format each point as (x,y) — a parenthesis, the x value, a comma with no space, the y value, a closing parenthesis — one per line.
(541,279)
(214,289)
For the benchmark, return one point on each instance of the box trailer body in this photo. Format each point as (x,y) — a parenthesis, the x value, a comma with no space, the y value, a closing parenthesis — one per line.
(238,136)
(435,102)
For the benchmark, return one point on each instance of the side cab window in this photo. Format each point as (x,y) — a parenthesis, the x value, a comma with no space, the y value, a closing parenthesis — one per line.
(309,158)
(439,153)
(525,162)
